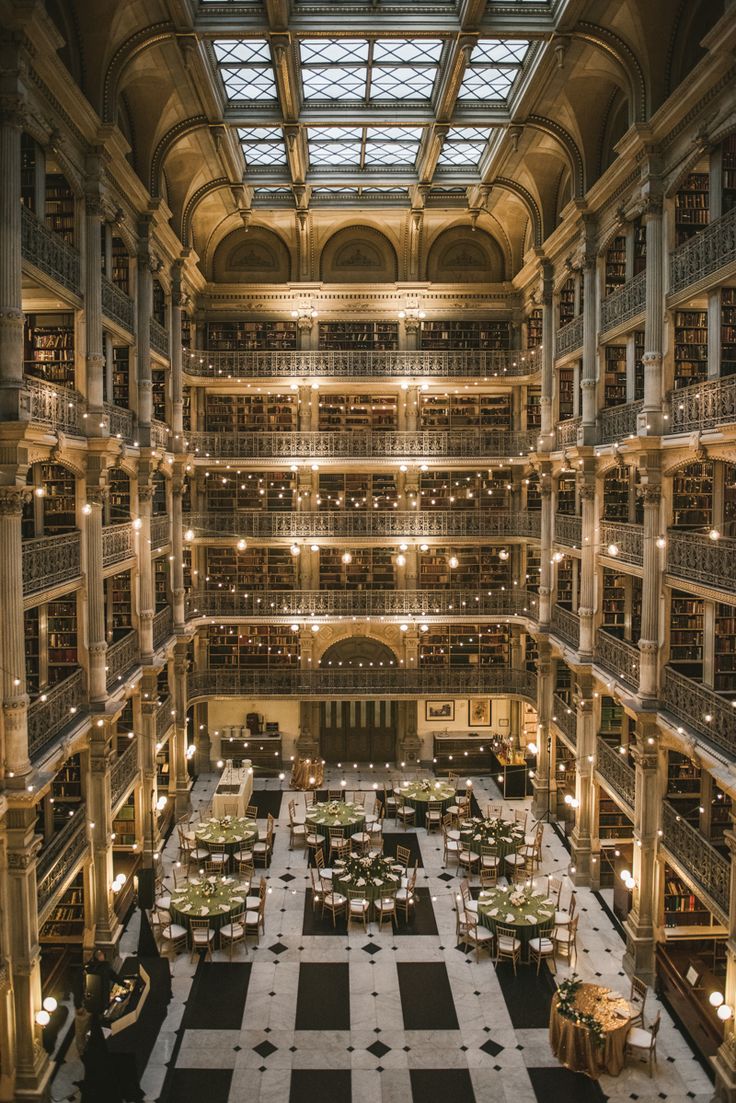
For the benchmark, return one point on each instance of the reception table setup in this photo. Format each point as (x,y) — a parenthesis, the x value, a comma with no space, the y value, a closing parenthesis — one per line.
(230,831)
(588,1027)
(505,835)
(371,876)
(234,789)
(336,813)
(213,898)
(419,793)
(518,907)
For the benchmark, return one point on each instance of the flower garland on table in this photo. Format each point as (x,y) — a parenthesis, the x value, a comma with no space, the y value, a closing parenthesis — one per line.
(363,870)
(208,888)
(566,994)
(491,832)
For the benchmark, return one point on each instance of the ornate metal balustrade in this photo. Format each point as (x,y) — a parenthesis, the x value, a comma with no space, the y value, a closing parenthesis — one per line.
(56,407)
(164,718)
(702,406)
(121,422)
(565,625)
(618,656)
(60,855)
(159,337)
(612,766)
(619,422)
(696,558)
(627,539)
(291,604)
(116,305)
(703,710)
(568,530)
(50,560)
(446,443)
(625,303)
(160,435)
(122,658)
(387,682)
(117,543)
(567,432)
(360,364)
(123,772)
(569,337)
(366,523)
(565,717)
(162,626)
(705,253)
(694,854)
(160,531)
(49,252)
(56,710)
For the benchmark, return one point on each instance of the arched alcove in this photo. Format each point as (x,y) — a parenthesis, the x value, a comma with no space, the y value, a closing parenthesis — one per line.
(258,256)
(463,255)
(361,731)
(359,254)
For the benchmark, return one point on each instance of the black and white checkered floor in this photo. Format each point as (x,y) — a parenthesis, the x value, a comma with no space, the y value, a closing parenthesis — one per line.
(313,1016)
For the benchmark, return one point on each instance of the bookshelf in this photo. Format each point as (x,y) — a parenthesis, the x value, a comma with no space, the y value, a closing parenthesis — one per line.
(59,207)
(124,825)
(469,335)
(65,793)
(469,751)
(533,497)
(533,567)
(65,924)
(615,378)
(636,600)
(728,166)
(692,205)
(691,346)
(614,603)
(340,412)
(28,171)
(465,412)
(564,596)
(534,408)
(686,634)
(638,366)
(119,603)
(270,490)
(120,271)
(616,495)
(48,351)
(531,654)
(252,646)
(118,501)
(356,491)
(567,302)
(186,330)
(159,303)
(720,816)
(612,720)
(692,496)
(251,336)
(369,569)
(615,266)
(163,770)
(682,908)
(255,569)
(613,824)
(462,645)
(729,499)
(31,629)
(62,639)
(161,583)
(121,376)
(158,393)
(534,328)
(640,247)
(246,413)
(725,648)
(566,394)
(59,500)
(566,494)
(358,335)
(728,328)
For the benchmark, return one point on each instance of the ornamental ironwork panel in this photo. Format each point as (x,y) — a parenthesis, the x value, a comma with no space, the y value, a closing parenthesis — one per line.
(702,406)
(55,710)
(711,714)
(121,422)
(619,422)
(618,656)
(695,557)
(380,444)
(568,530)
(49,252)
(164,717)
(116,305)
(160,531)
(706,252)
(55,406)
(60,855)
(162,626)
(566,718)
(612,766)
(361,364)
(123,772)
(628,540)
(122,658)
(159,435)
(565,625)
(366,523)
(159,336)
(710,871)
(117,543)
(50,560)
(569,337)
(624,303)
(567,432)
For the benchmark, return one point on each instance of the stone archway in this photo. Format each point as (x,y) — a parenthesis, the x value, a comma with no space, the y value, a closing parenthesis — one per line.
(352,730)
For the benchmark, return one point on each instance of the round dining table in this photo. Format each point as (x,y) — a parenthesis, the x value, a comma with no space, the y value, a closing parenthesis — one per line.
(524,911)
(347,817)
(194,900)
(419,793)
(506,835)
(574,1045)
(371,876)
(232,832)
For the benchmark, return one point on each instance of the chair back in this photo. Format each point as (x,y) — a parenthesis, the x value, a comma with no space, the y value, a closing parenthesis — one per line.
(403,856)
(465,890)
(654,1028)
(573,904)
(336,833)
(434,806)
(252,812)
(359,798)
(335,794)
(238,917)
(356,894)
(229,807)
(202,924)
(212,867)
(488,850)
(520,817)
(378,809)
(554,888)
(319,858)
(494,811)
(316,882)
(246,872)
(505,932)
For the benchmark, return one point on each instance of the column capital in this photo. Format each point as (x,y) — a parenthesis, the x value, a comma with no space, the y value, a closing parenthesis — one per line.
(97,495)
(587,492)
(13,111)
(13,498)
(651,493)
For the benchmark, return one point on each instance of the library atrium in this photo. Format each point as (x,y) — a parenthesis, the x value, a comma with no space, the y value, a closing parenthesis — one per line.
(367,544)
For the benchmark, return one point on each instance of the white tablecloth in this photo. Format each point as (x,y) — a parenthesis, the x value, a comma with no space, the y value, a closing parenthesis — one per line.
(242,777)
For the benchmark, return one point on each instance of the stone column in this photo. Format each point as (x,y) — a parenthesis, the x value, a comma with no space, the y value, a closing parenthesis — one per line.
(586,609)
(145,571)
(724,1061)
(12,634)
(547,435)
(177,546)
(178,738)
(99,805)
(411,329)
(545,548)
(650,418)
(581,841)
(412,409)
(305,326)
(639,958)
(147,761)
(95,359)
(96,636)
(590,337)
(307,744)
(543,779)
(13,406)
(146,267)
(651,591)
(178,302)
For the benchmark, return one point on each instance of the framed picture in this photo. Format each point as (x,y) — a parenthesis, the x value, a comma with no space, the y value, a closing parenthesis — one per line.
(479,712)
(439,710)
(692,976)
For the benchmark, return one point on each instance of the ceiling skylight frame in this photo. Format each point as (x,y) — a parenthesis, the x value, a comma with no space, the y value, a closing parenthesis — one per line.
(369,70)
(493,70)
(246,70)
(364,148)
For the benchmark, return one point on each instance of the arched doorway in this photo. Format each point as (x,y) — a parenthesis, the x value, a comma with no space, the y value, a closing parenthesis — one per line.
(364,731)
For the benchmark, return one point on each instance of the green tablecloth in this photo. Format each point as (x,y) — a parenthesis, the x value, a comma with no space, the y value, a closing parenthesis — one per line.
(419,796)
(505,835)
(229,895)
(526,918)
(231,835)
(375,874)
(340,813)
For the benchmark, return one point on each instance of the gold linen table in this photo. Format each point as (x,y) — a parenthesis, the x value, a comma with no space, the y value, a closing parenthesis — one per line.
(573,1044)
(307,774)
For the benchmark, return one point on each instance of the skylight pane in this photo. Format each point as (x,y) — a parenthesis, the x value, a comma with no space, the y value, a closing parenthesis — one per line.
(391,153)
(487,84)
(463,146)
(334,83)
(402,82)
(241,50)
(333,51)
(398,51)
(491,50)
(334,153)
(249,84)
(262,145)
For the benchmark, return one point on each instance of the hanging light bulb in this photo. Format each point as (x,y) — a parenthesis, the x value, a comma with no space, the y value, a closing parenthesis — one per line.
(189,535)
(503,554)
(295,549)
(347,558)
(242,544)
(613,550)
(400,560)
(453,562)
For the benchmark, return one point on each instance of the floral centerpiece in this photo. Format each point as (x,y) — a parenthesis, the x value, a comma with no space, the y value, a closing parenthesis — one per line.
(494,831)
(362,871)
(566,994)
(333,808)
(425,786)
(208,887)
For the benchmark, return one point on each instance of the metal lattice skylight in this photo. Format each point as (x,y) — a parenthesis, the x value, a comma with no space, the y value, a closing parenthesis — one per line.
(464,146)
(368,70)
(245,68)
(494,66)
(263,146)
(363,147)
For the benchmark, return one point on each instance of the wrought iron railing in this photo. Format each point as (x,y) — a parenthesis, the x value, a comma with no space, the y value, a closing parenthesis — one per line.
(627,540)
(613,767)
(567,432)
(709,870)
(162,626)
(568,530)
(565,625)
(703,710)
(164,717)
(160,435)
(618,656)
(565,717)
(386,682)
(60,855)
(695,557)
(160,531)
(569,337)
(702,406)
(619,422)
(624,303)
(50,560)
(121,422)
(117,543)
(49,252)
(361,364)
(122,658)
(55,710)
(123,772)
(705,253)
(291,604)
(116,305)
(159,337)
(56,407)
(366,523)
(379,444)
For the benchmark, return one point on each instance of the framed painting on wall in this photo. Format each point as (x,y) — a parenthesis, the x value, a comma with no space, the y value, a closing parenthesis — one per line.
(439,710)
(479,712)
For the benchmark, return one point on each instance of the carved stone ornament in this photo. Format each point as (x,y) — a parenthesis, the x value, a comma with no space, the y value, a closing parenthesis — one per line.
(12,500)
(651,493)
(587,492)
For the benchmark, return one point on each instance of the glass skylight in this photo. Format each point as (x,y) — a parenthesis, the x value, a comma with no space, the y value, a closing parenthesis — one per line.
(361,69)
(361,147)
(262,146)
(245,68)
(493,68)
(464,146)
